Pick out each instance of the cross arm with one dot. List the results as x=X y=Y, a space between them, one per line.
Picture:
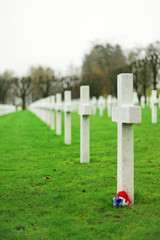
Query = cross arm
x=126 y=114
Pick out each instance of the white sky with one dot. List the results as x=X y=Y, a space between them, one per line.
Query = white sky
x=57 y=33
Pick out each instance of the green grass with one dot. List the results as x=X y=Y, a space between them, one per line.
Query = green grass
x=76 y=203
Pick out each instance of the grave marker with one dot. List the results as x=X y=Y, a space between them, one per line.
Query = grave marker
x=109 y=105
x=101 y=105
x=143 y=101
x=135 y=99
x=159 y=101
x=58 y=113
x=52 y=113
x=67 y=110
x=154 y=103
x=94 y=105
x=125 y=115
x=84 y=111
x=47 y=110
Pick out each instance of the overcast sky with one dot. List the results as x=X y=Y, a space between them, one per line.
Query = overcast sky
x=57 y=33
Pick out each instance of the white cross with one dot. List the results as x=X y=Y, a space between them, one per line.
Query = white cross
x=125 y=115
x=154 y=103
x=101 y=105
x=58 y=113
x=94 y=105
x=67 y=110
x=135 y=99
x=47 y=112
x=143 y=101
x=84 y=111
x=109 y=105
x=52 y=108
x=159 y=101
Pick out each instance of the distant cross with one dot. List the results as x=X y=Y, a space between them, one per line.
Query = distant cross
x=154 y=103
x=47 y=100
x=109 y=105
x=67 y=121
x=101 y=105
x=94 y=105
x=52 y=108
x=143 y=101
x=125 y=115
x=58 y=113
x=135 y=99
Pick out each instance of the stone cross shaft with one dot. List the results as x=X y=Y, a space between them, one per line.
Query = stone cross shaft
x=154 y=103
x=58 y=113
x=143 y=101
x=84 y=111
x=67 y=110
x=101 y=105
x=47 y=101
x=125 y=115
x=159 y=101
x=135 y=99
x=52 y=107
x=42 y=107
x=94 y=105
x=109 y=105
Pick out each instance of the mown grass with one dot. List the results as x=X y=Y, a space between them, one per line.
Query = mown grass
x=76 y=203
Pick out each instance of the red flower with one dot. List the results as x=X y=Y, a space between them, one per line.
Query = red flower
x=124 y=195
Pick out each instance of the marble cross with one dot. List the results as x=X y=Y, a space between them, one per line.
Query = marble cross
x=109 y=105
x=52 y=108
x=67 y=122
x=101 y=105
x=135 y=99
x=125 y=114
x=143 y=101
x=94 y=105
x=84 y=111
x=159 y=101
x=58 y=113
x=154 y=103
x=47 y=110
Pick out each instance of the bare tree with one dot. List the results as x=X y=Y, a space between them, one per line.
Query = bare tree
x=5 y=85
x=22 y=88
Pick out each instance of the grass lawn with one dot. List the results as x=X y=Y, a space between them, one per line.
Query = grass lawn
x=76 y=203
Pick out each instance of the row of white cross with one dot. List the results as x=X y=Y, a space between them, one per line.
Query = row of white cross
x=6 y=108
x=49 y=103
x=125 y=114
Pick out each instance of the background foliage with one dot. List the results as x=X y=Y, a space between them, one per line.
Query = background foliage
x=100 y=67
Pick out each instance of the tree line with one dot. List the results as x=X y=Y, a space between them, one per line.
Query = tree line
x=100 y=68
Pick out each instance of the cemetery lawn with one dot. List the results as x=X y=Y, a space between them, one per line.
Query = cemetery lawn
x=76 y=202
